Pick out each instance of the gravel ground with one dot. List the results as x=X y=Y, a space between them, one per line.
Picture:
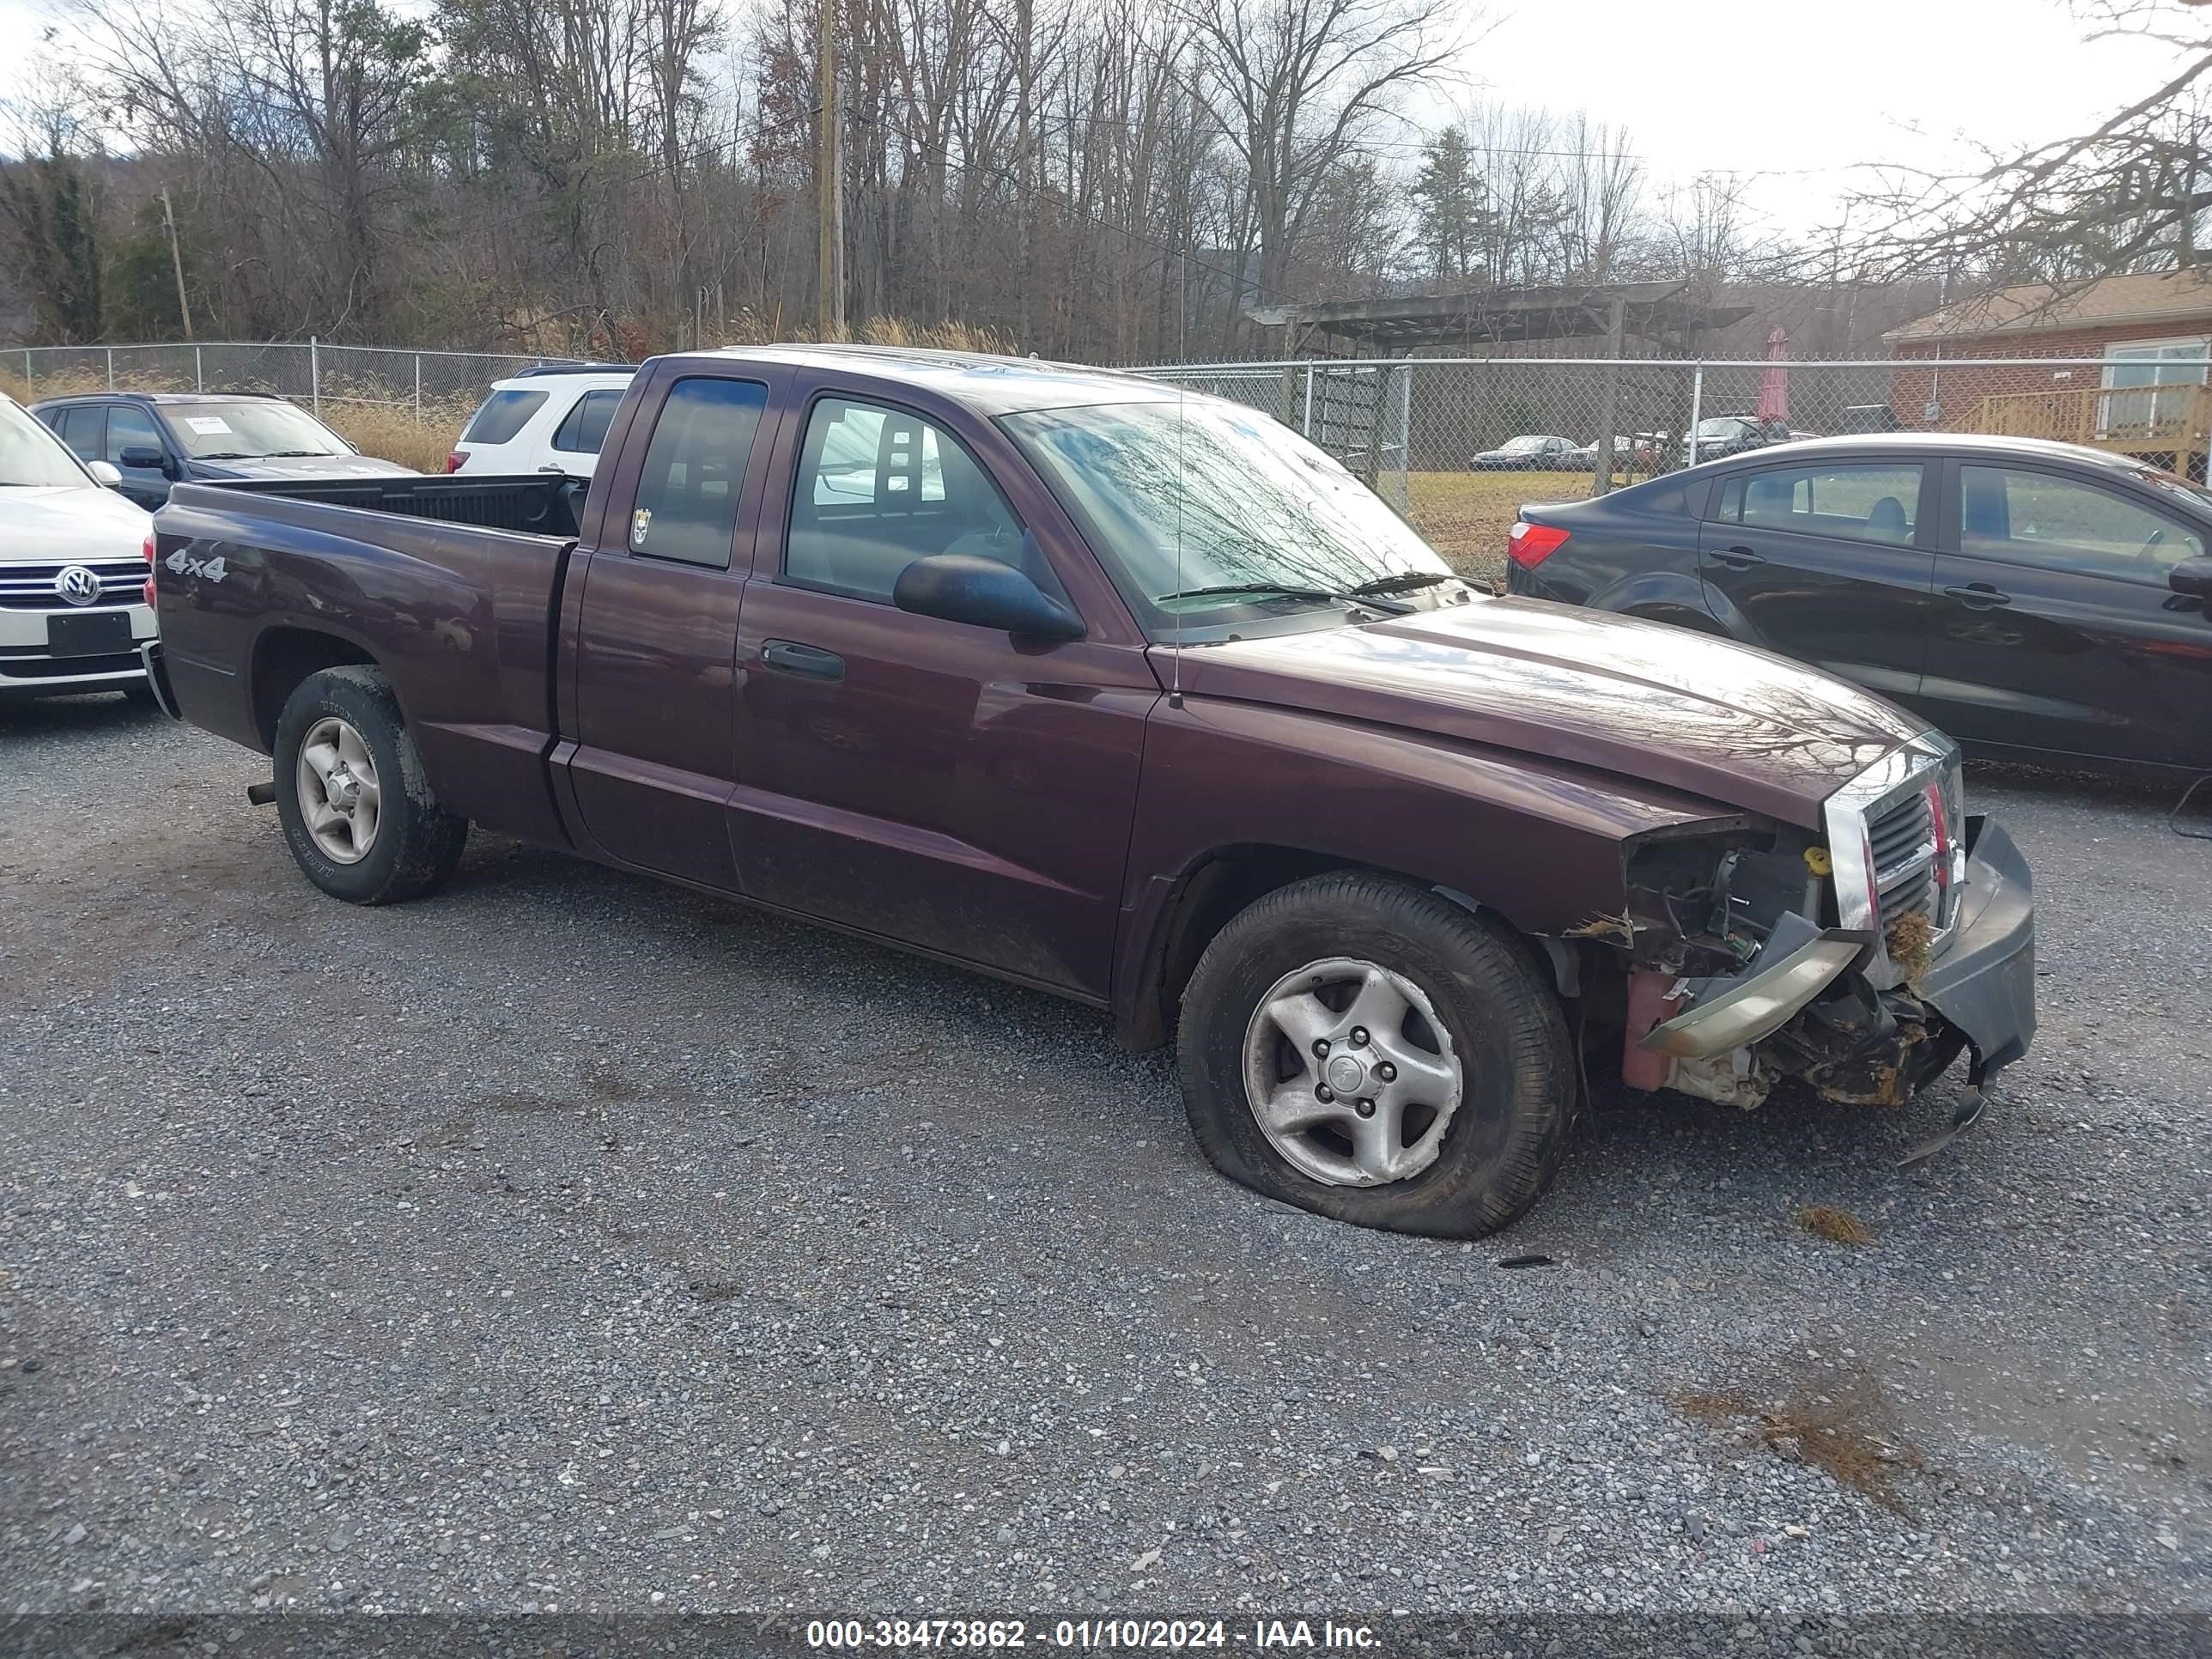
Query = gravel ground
x=567 y=1242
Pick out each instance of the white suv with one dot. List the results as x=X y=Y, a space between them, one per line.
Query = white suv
x=544 y=420
x=74 y=560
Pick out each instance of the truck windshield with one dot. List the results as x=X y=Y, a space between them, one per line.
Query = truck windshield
x=214 y=431
x=1267 y=525
x=32 y=458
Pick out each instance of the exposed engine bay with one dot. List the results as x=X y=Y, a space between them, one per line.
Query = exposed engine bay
x=1738 y=975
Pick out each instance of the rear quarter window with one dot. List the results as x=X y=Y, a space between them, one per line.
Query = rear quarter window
x=584 y=428
x=503 y=415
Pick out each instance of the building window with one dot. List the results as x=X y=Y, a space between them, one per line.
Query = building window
x=2146 y=391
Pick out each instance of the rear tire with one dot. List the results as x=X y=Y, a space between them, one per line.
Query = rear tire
x=1475 y=1005
x=357 y=810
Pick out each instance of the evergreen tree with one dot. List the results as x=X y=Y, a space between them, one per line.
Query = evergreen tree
x=1450 y=206
x=50 y=208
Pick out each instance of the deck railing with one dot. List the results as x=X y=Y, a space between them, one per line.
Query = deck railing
x=2150 y=419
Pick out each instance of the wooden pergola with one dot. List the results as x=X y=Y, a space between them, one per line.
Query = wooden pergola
x=1475 y=317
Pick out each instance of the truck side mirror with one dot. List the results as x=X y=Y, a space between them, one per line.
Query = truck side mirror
x=145 y=455
x=2192 y=577
x=966 y=587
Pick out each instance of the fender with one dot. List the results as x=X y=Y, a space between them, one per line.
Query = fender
x=1541 y=842
x=1652 y=594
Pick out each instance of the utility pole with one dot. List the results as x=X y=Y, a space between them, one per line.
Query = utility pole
x=829 y=203
x=177 y=261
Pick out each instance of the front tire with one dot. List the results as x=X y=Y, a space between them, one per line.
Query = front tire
x=1366 y=1049
x=357 y=810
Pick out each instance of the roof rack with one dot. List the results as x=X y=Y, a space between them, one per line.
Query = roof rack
x=573 y=369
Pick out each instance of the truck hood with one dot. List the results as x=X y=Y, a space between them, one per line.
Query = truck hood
x=301 y=467
x=1644 y=700
x=56 y=524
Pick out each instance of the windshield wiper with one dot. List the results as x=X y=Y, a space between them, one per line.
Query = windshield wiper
x=1288 y=591
x=224 y=455
x=1405 y=582
x=292 y=455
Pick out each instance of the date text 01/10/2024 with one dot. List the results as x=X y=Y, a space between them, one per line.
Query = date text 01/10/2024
x=1163 y=1634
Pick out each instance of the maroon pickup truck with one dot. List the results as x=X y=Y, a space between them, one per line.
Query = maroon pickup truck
x=1141 y=699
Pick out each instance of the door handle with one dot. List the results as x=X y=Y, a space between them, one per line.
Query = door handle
x=1979 y=596
x=808 y=661
x=1737 y=558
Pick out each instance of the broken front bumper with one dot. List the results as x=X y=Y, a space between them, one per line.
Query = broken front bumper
x=1985 y=984
x=1800 y=1009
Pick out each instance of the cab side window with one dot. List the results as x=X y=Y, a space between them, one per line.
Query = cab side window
x=2040 y=518
x=695 y=470
x=1877 y=502
x=879 y=488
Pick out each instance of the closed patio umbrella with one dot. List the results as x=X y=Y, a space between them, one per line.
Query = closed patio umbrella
x=1774 y=384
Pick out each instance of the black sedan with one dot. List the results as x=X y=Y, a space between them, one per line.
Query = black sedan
x=2031 y=598
x=1718 y=435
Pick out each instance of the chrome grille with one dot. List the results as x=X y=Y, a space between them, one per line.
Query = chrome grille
x=1895 y=837
x=1904 y=841
x=31 y=586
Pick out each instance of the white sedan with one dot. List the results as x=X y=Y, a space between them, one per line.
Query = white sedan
x=74 y=560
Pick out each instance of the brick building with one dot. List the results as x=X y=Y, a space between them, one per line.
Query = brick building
x=2128 y=388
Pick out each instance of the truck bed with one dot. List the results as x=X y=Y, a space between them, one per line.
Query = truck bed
x=452 y=583
x=532 y=503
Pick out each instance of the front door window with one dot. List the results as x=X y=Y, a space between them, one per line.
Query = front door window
x=2042 y=519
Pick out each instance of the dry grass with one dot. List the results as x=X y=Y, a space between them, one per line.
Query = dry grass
x=1843 y=1428
x=391 y=433
x=1911 y=942
x=1838 y=1226
x=60 y=385
x=1465 y=515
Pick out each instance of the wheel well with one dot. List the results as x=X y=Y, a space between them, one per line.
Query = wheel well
x=1231 y=879
x=286 y=656
x=1681 y=616
x=1212 y=892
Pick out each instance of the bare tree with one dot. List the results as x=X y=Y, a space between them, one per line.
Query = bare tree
x=1299 y=87
x=2128 y=194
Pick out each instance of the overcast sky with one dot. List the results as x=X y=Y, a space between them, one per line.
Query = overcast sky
x=1808 y=90
x=1793 y=90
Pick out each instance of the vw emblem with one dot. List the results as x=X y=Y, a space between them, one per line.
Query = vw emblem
x=77 y=584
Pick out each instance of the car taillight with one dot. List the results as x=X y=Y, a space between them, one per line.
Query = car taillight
x=1530 y=545
x=456 y=459
x=148 y=551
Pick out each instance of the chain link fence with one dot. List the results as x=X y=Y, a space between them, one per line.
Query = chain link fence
x=1458 y=443
x=423 y=383
x=1455 y=444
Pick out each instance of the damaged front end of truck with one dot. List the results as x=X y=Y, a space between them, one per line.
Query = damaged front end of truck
x=1859 y=958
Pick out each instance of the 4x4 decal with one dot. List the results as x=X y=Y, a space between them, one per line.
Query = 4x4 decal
x=182 y=563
